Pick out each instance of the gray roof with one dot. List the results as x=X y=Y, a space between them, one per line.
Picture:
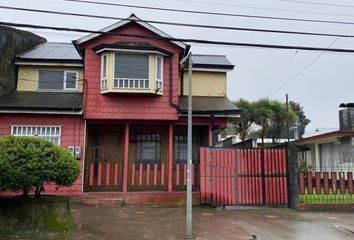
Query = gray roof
x=42 y=101
x=52 y=51
x=210 y=61
x=208 y=105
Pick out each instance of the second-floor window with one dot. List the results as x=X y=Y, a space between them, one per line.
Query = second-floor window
x=57 y=80
x=104 y=67
x=131 y=71
x=159 y=73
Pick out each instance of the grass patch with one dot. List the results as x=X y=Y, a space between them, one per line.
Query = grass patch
x=330 y=198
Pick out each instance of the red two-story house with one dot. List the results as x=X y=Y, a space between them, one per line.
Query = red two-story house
x=117 y=100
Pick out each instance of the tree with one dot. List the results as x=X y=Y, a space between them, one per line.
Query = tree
x=246 y=119
x=29 y=162
x=271 y=116
x=302 y=121
x=263 y=114
x=279 y=120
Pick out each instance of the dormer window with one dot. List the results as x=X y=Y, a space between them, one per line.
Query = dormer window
x=57 y=80
x=131 y=71
x=132 y=67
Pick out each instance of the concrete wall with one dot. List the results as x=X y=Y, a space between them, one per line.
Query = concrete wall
x=12 y=43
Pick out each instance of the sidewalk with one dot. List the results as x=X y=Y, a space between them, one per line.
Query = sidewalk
x=148 y=222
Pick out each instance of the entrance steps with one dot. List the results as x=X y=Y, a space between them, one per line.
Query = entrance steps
x=111 y=199
x=136 y=198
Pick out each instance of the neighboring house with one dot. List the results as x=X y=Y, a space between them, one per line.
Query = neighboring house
x=119 y=104
x=331 y=150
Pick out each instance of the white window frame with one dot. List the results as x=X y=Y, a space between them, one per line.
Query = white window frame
x=43 y=131
x=104 y=79
x=159 y=81
x=133 y=81
x=64 y=80
x=76 y=80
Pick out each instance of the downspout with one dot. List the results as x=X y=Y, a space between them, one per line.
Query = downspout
x=213 y=129
x=182 y=82
x=171 y=82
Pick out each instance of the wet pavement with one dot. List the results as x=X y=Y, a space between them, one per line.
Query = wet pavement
x=149 y=222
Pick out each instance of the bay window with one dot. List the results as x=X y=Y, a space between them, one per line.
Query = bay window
x=104 y=71
x=131 y=71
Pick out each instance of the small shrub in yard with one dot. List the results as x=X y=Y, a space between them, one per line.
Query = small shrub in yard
x=29 y=162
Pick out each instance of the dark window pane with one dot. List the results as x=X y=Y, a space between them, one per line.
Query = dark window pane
x=49 y=79
x=131 y=66
x=70 y=80
x=148 y=149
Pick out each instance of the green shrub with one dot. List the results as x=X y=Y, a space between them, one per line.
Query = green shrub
x=29 y=162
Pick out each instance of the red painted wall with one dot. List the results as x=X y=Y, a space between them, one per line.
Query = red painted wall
x=72 y=134
x=129 y=106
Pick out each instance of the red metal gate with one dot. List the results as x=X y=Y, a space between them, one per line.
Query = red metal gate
x=243 y=177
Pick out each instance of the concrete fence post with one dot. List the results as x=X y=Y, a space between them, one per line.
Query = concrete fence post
x=293 y=179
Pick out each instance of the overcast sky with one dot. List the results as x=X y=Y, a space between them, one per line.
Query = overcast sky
x=325 y=84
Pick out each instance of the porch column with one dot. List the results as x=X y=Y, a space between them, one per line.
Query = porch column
x=210 y=133
x=170 y=157
x=126 y=158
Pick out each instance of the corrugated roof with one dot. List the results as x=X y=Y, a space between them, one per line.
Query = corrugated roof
x=42 y=101
x=51 y=50
x=208 y=105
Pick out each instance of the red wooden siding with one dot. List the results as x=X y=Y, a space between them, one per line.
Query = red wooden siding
x=237 y=177
x=72 y=134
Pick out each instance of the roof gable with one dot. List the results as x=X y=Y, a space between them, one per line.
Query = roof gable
x=130 y=19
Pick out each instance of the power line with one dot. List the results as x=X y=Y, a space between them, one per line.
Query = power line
x=317 y=3
x=189 y=40
x=284 y=18
x=302 y=71
x=283 y=72
x=201 y=12
x=180 y=24
x=291 y=1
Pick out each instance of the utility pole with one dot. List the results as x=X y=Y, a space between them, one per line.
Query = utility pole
x=189 y=232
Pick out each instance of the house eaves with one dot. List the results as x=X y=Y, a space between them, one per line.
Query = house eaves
x=130 y=19
x=325 y=137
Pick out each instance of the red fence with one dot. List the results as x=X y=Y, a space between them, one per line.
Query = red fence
x=148 y=176
x=326 y=187
x=243 y=177
x=107 y=175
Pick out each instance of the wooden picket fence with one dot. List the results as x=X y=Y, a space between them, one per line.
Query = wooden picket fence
x=326 y=187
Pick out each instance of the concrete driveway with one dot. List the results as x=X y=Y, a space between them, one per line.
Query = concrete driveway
x=148 y=222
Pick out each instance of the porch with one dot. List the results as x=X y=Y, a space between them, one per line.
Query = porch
x=140 y=157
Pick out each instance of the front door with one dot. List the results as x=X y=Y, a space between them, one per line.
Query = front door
x=104 y=158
